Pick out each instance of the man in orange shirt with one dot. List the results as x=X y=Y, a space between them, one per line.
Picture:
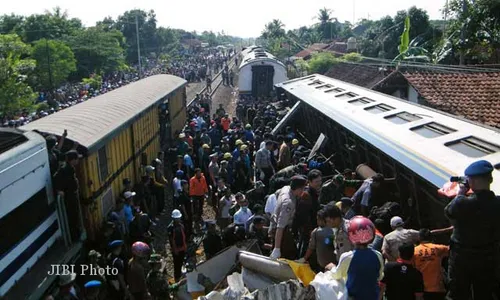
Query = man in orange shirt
x=198 y=190
x=428 y=258
x=225 y=122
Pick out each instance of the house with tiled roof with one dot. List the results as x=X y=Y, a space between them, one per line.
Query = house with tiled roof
x=360 y=74
x=308 y=52
x=472 y=95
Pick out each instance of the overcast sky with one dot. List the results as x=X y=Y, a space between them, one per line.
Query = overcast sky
x=246 y=18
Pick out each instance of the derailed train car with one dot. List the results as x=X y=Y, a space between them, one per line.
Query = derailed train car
x=259 y=71
x=118 y=133
x=419 y=146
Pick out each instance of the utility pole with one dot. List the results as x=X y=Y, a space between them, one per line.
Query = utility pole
x=138 y=45
x=462 y=32
x=48 y=64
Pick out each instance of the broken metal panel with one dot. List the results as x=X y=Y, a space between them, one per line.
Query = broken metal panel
x=288 y=117
x=320 y=143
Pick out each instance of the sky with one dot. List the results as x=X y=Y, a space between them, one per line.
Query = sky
x=238 y=18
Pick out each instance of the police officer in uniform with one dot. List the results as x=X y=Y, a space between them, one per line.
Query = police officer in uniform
x=282 y=218
x=476 y=236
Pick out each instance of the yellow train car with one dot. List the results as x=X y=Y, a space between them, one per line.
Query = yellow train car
x=118 y=132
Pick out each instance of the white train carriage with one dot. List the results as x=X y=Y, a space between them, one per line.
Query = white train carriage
x=28 y=216
x=259 y=71
x=420 y=146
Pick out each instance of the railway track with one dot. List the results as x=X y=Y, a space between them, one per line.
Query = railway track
x=216 y=81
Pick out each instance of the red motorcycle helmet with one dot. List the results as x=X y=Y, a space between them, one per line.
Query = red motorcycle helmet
x=141 y=249
x=361 y=230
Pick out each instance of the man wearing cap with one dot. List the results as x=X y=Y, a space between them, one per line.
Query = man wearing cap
x=283 y=216
x=92 y=289
x=67 y=289
x=396 y=238
x=178 y=244
x=182 y=145
x=66 y=185
x=474 y=260
x=118 y=287
x=157 y=279
x=127 y=207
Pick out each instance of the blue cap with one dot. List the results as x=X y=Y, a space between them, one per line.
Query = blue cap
x=179 y=173
x=115 y=243
x=478 y=168
x=92 y=284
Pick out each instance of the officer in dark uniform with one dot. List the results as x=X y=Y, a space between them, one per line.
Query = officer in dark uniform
x=476 y=236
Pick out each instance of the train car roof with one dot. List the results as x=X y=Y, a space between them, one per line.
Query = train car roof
x=433 y=144
x=257 y=54
x=94 y=121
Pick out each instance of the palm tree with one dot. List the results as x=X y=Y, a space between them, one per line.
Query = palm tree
x=326 y=23
x=274 y=29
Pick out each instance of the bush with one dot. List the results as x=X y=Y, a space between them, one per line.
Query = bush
x=94 y=82
x=322 y=62
x=352 y=57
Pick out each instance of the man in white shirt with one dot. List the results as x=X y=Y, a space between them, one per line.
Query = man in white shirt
x=177 y=186
x=271 y=203
x=243 y=214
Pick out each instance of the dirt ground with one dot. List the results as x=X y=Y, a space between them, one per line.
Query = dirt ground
x=227 y=96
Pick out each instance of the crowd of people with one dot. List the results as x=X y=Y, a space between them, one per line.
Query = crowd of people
x=194 y=66
x=261 y=185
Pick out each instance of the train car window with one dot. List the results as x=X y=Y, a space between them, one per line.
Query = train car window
x=402 y=118
x=380 y=108
x=102 y=158
x=326 y=86
x=346 y=96
x=432 y=130
x=361 y=101
x=473 y=147
x=316 y=82
x=335 y=90
x=38 y=210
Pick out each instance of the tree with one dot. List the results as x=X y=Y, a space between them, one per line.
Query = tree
x=54 y=62
x=274 y=29
x=322 y=62
x=11 y=24
x=15 y=93
x=97 y=51
x=327 y=26
x=148 y=42
x=51 y=25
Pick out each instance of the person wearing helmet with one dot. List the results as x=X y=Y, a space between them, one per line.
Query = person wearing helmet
x=182 y=144
x=178 y=244
x=249 y=134
x=118 y=287
x=363 y=267
x=137 y=266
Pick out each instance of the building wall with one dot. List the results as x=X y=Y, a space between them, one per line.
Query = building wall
x=177 y=109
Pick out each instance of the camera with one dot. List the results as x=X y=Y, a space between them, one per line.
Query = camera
x=459 y=179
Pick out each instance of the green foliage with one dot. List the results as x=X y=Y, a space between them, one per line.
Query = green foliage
x=322 y=62
x=54 y=63
x=405 y=37
x=352 y=57
x=15 y=93
x=51 y=25
x=94 y=82
x=98 y=50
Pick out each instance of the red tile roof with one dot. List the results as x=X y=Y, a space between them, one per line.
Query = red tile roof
x=318 y=46
x=304 y=53
x=359 y=74
x=475 y=96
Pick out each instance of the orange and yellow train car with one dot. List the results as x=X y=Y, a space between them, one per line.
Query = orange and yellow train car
x=117 y=132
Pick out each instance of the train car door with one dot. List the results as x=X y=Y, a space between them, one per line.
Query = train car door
x=262 y=80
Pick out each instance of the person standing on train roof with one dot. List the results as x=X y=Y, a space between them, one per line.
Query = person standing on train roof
x=474 y=260
x=363 y=201
x=397 y=237
x=428 y=259
x=285 y=156
x=283 y=216
x=363 y=267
